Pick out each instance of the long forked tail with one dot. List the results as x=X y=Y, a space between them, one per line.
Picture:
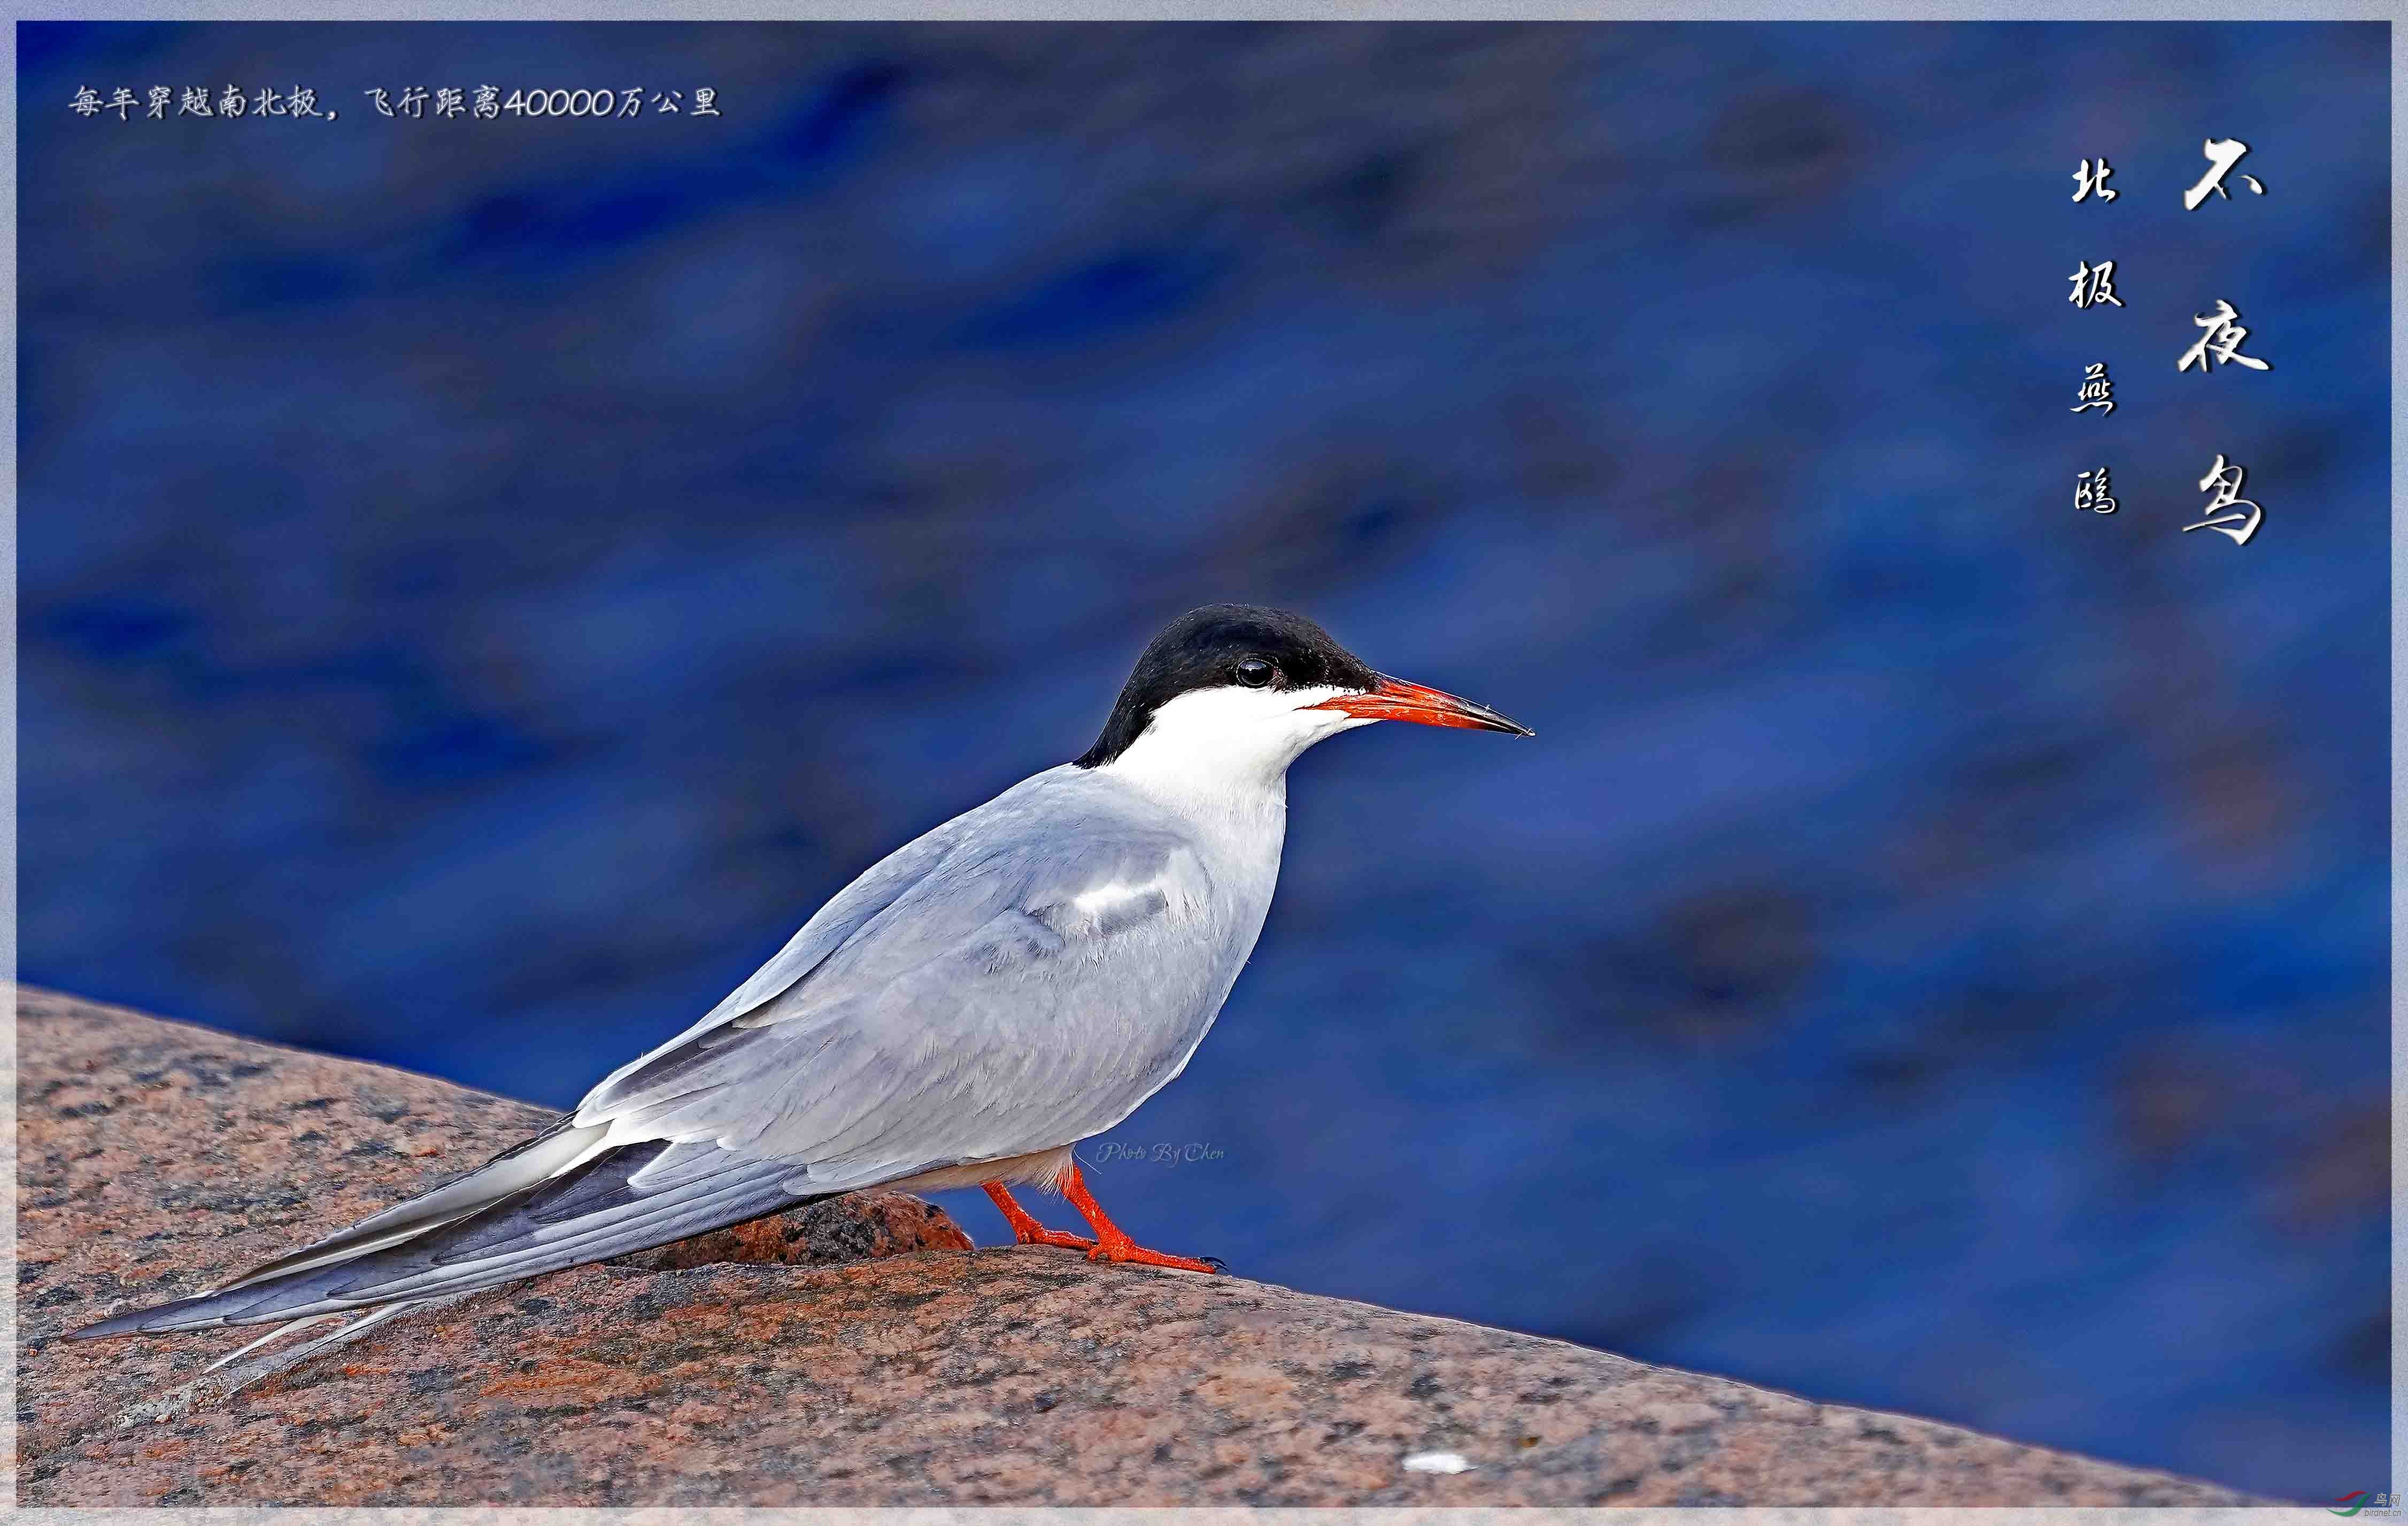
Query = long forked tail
x=562 y=1199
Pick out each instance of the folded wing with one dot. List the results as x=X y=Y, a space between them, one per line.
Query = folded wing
x=1029 y=989
x=1018 y=979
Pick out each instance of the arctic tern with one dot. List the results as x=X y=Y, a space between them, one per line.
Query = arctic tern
x=973 y=1006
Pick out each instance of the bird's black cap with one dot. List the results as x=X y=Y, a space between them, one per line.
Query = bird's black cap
x=1225 y=644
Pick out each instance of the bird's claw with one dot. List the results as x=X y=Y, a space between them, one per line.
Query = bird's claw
x=1139 y=1256
x=1056 y=1238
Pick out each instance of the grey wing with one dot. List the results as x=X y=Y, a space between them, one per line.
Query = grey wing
x=1050 y=969
x=1018 y=978
x=533 y=1216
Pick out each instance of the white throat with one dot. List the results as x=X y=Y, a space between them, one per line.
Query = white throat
x=1225 y=751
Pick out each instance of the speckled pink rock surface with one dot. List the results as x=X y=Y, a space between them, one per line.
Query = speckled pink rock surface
x=777 y=1366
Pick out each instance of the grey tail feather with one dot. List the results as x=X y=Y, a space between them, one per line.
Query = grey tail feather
x=523 y=1164
x=587 y=1213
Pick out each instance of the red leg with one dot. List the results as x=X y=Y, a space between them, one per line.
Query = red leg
x=1026 y=1230
x=1112 y=1243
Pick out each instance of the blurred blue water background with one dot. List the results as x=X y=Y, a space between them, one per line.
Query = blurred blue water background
x=485 y=581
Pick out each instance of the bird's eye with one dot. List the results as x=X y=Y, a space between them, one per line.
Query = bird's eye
x=1254 y=673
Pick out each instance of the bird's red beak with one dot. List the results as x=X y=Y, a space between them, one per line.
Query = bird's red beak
x=1397 y=700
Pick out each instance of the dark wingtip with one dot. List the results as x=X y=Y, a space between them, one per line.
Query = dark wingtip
x=142 y=1322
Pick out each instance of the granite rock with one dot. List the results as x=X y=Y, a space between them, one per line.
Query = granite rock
x=860 y=1352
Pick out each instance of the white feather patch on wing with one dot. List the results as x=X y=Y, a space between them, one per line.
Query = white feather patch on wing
x=1020 y=979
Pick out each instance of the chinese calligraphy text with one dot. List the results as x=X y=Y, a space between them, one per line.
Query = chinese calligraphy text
x=2223 y=480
